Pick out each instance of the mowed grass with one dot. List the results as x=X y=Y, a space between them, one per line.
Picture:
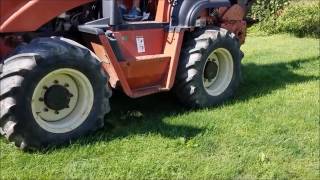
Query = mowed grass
x=269 y=130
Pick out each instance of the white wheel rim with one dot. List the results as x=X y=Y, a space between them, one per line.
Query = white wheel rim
x=224 y=62
x=80 y=103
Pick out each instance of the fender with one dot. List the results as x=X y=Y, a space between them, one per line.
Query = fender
x=29 y=15
x=185 y=12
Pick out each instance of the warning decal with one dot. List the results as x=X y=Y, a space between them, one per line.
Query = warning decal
x=140 y=44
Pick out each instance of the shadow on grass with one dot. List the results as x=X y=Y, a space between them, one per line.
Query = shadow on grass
x=259 y=80
x=146 y=115
x=129 y=117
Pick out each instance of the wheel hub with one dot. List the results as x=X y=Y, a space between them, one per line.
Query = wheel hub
x=62 y=100
x=211 y=70
x=218 y=71
x=57 y=97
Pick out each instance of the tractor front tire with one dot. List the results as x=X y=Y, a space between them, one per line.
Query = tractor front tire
x=209 y=70
x=51 y=92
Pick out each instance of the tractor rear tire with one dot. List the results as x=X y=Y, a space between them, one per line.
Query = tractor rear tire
x=209 y=70
x=51 y=92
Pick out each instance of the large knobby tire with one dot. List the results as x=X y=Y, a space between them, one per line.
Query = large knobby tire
x=209 y=70
x=51 y=92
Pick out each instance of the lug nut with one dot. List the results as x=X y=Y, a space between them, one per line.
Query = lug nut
x=57 y=112
x=46 y=109
x=56 y=81
x=66 y=85
x=41 y=99
x=45 y=87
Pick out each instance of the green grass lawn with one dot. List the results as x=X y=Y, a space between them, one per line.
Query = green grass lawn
x=270 y=130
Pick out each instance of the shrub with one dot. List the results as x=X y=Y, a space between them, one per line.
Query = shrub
x=300 y=18
x=268 y=9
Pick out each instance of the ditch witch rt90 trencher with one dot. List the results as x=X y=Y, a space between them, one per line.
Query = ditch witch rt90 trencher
x=61 y=59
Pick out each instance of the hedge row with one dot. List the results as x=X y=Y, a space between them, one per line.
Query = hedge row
x=301 y=18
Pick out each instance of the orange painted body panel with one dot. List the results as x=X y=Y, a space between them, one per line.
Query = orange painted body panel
x=163 y=11
x=145 y=73
x=142 y=74
x=173 y=47
x=101 y=52
x=29 y=15
x=109 y=58
x=153 y=41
